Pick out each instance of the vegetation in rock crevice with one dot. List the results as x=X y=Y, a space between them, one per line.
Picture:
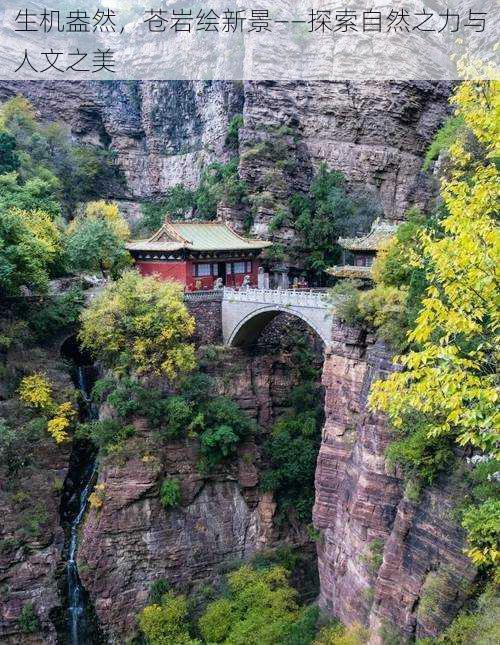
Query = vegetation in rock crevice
x=293 y=446
x=219 y=183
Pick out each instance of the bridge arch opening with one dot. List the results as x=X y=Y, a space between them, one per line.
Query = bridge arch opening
x=248 y=331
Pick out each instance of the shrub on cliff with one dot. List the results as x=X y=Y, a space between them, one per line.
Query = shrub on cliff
x=108 y=435
x=140 y=325
x=223 y=426
x=28 y=620
x=170 y=493
x=233 y=131
x=219 y=183
x=37 y=393
x=292 y=448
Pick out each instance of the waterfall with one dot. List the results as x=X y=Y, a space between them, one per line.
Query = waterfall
x=81 y=481
x=76 y=596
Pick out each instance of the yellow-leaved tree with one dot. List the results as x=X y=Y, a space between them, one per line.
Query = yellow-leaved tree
x=140 y=325
x=450 y=379
x=107 y=212
x=36 y=391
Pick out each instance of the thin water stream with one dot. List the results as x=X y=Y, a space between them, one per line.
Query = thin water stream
x=76 y=596
x=81 y=480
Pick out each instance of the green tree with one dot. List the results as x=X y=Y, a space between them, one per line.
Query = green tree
x=323 y=215
x=260 y=609
x=216 y=622
x=93 y=245
x=178 y=201
x=140 y=325
x=166 y=623
x=28 y=247
x=37 y=193
x=9 y=159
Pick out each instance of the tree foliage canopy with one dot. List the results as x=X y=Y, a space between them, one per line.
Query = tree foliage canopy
x=326 y=213
x=140 y=325
x=29 y=243
x=166 y=623
x=95 y=239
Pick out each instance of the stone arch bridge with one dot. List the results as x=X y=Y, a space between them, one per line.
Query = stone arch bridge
x=243 y=313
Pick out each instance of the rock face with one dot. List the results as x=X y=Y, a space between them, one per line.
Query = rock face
x=31 y=480
x=164 y=132
x=384 y=561
x=131 y=540
x=375 y=133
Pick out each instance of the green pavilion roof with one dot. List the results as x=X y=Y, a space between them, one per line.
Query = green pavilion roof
x=381 y=231
x=196 y=236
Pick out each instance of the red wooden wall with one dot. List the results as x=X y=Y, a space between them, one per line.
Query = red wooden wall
x=183 y=272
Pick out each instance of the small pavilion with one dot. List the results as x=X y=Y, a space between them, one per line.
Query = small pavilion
x=359 y=253
x=197 y=253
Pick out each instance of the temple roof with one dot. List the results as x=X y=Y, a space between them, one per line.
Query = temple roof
x=381 y=231
x=196 y=236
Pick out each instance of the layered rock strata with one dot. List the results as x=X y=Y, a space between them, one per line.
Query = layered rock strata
x=392 y=564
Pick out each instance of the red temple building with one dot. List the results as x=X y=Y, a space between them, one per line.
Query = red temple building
x=197 y=253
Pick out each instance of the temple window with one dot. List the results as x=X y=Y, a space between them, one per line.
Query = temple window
x=241 y=268
x=202 y=270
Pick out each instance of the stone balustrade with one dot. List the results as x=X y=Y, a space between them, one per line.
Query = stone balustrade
x=203 y=296
x=285 y=297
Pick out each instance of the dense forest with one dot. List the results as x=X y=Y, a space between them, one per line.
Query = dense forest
x=153 y=392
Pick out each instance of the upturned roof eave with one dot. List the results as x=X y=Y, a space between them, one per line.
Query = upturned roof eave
x=152 y=246
x=179 y=241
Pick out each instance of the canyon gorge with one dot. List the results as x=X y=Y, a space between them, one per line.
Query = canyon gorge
x=373 y=551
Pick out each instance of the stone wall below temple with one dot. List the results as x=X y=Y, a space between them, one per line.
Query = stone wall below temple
x=206 y=308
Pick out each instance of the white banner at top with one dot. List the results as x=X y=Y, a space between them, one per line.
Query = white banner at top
x=279 y=40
